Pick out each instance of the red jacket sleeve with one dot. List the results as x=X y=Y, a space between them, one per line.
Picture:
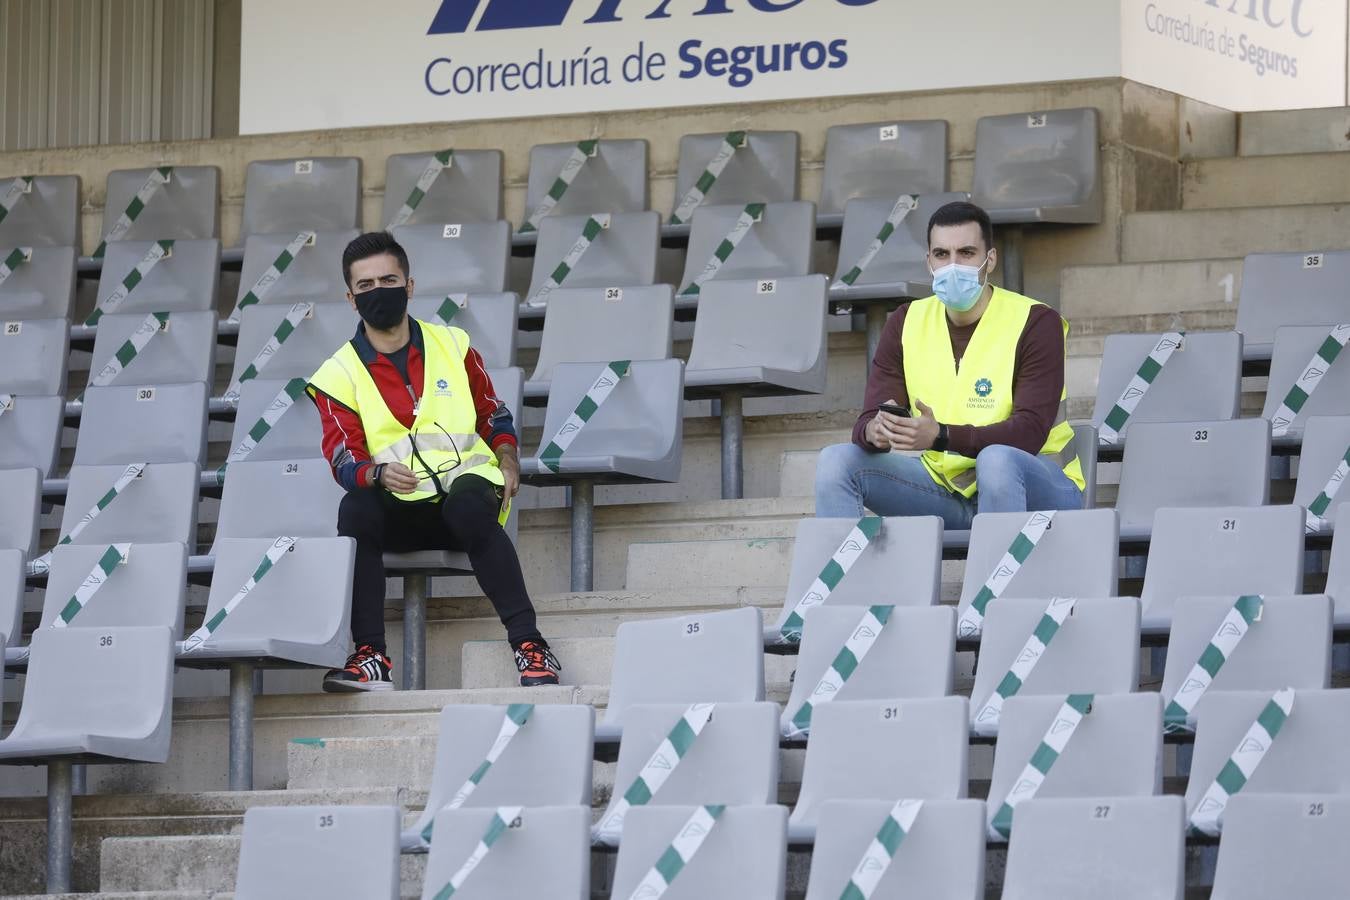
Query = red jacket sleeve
x=344 y=442
x=495 y=424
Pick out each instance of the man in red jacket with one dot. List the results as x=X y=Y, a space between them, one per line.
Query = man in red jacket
x=428 y=455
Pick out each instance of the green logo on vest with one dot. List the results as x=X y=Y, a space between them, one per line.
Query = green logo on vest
x=984 y=387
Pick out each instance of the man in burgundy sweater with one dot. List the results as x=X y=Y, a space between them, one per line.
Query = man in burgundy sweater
x=981 y=372
x=428 y=455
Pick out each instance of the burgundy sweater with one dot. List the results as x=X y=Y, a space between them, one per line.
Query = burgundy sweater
x=1038 y=382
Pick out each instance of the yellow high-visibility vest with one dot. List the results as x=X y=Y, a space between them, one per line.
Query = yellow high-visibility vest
x=443 y=440
x=980 y=390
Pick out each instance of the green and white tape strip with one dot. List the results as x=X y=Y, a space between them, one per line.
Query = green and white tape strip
x=263 y=286
x=984 y=722
x=43 y=563
x=453 y=305
x=517 y=714
x=6 y=403
x=589 y=232
x=655 y=771
x=158 y=250
x=1178 y=716
x=151 y=325
x=438 y=163
x=1062 y=729
x=1307 y=382
x=269 y=561
x=158 y=178
x=1233 y=777
x=858 y=539
x=677 y=855
x=752 y=213
x=279 y=406
x=614 y=372
x=297 y=314
x=501 y=821
x=17 y=257
x=903 y=207
x=972 y=619
x=845 y=663
x=17 y=188
x=1124 y=407
x=877 y=858
x=1315 y=516
x=734 y=141
x=584 y=151
x=97 y=577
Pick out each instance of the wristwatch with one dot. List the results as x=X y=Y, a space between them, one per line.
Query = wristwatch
x=940 y=444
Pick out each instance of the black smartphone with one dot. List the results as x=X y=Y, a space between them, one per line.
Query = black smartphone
x=895 y=410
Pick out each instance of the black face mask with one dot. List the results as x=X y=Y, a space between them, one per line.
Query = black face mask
x=383 y=308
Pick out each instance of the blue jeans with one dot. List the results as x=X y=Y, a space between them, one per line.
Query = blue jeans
x=849 y=478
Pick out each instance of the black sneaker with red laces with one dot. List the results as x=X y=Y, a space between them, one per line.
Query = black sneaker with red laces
x=536 y=663
x=367 y=669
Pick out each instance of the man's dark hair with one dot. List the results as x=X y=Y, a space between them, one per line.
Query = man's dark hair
x=372 y=243
x=960 y=213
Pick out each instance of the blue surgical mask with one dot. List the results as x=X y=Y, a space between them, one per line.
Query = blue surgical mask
x=959 y=287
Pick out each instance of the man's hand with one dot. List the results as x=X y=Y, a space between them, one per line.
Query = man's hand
x=508 y=460
x=398 y=479
x=883 y=431
x=917 y=433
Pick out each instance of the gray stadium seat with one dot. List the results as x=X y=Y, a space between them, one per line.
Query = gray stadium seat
x=622 y=255
x=1192 y=464
x=160 y=505
x=912 y=657
x=183 y=351
x=550 y=843
x=1290 y=289
x=319 y=851
x=778 y=245
x=317 y=337
x=913 y=749
x=762 y=170
x=1295 y=351
x=315 y=274
x=148 y=588
x=1326 y=440
x=11 y=594
x=73 y=710
x=468 y=190
x=1290 y=845
x=880 y=160
x=1098 y=848
x=1302 y=758
x=613 y=178
x=46 y=212
x=900 y=269
x=290 y=195
x=941 y=858
x=186 y=280
x=33 y=357
x=458 y=258
x=1338 y=570
x=1038 y=167
x=1201 y=382
x=1095 y=651
x=30 y=432
x=1115 y=752
x=1224 y=551
x=41 y=287
x=489 y=319
x=1288 y=646
x=187 y=206
x=909 y=544
x=715 y=657
x=744 y=855
x=546 y=763
x=269 y=498
x=138 y=423
x=298 y=434
x=1076 y=557
x=22 y=490
x=596 y=325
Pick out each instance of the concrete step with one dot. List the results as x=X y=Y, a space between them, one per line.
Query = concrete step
x=1324 y=130
x=1140 y=297
x=1265 y=181
x=1228 y=233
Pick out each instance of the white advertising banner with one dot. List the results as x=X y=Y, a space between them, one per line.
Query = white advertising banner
x=318 y=64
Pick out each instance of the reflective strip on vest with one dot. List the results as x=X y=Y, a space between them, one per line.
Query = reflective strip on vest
x=583 y=152
x=734 y=141
x=158 y=177
x=438 y=164
x=1303 y=388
